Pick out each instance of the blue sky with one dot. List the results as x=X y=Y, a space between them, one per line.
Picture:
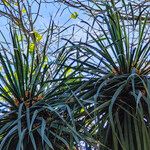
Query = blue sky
x=61 y=18
x=47 y=11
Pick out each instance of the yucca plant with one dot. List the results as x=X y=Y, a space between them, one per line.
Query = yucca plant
x=35 y=111
x=115 y=89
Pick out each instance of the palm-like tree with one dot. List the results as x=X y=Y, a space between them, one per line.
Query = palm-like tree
x=35 y=111
x=115 y=89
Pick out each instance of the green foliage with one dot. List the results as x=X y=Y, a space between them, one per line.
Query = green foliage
x=97 y=91
x=36 y=114
x=115 y=88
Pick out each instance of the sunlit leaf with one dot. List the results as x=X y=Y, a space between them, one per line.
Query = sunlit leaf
x=16 y=4
x=6 y=2
x=46 y=59
x=20 y=37
x=1 y=68
x=6 y=89
x=74 y=15
x=37 y=36
x=31 y=47
x=23 y=10
x=69 y=71
x=82 y=110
